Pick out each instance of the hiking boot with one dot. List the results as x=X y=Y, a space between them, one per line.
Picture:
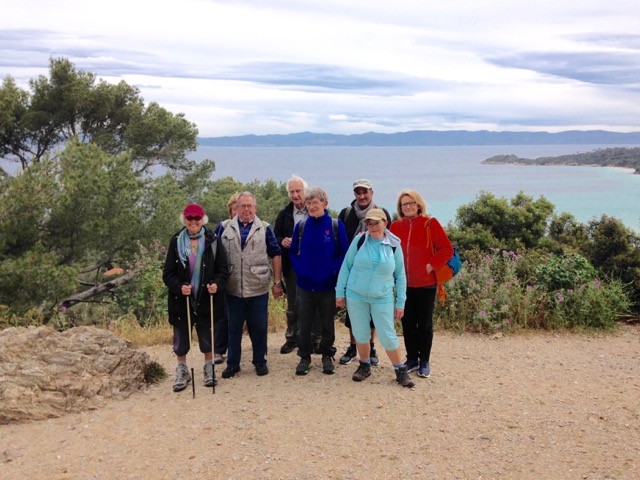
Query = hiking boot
x=402 y=377
x=348 y=355
x=412 y=365
x=288 y=347
x=327 y=364
x=209 y=375
x=218 y=359
x=425 y=369
x=373 y=357
x=262 y=370
x=183 y=378
x=363 y=371
x=304 y=366
x=230 y=372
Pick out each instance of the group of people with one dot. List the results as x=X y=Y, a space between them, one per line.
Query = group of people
x=381 y=271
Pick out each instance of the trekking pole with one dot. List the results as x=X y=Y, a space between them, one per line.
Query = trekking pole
x=193 y=383
x=188 y=319
x=213 y=362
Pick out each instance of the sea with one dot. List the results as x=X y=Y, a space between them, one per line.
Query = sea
x=446 y=176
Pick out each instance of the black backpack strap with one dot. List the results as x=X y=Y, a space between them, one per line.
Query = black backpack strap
x=361 y=242
x=300 y=229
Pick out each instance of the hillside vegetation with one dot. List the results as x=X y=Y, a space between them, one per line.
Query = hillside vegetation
x=603 y=157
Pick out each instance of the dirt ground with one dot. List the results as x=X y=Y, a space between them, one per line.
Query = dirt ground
x=530 y=406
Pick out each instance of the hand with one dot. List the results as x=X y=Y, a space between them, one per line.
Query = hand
x=429 y=268
x=286 y=242
x=277 y=290
x=399 y=314
x=341 y=303
x=213 y=288
x=186 y=289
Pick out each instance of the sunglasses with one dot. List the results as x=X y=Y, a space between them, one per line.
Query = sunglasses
x=193 y=217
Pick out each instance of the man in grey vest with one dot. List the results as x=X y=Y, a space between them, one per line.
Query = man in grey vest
x=250 y=243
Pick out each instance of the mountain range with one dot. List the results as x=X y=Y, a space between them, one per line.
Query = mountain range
x=426 y=138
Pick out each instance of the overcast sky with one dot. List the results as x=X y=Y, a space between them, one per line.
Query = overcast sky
x=344 y=66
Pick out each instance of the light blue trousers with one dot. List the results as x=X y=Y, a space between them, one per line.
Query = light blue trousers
x=360 y=312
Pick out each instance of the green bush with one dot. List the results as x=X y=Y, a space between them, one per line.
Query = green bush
x=506 y=291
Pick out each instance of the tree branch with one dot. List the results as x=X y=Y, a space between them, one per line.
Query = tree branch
x=97 y=290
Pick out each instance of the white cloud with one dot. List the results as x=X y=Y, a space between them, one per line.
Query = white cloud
x=282 y=66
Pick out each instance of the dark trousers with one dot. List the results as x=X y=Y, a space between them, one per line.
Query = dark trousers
x=221 y=325
x=312 y=305
x=291 y=334
x=252 y=310
x=181 y=335
x=417 y=323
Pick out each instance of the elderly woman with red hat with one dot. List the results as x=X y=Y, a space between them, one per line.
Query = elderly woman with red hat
x=195 y=268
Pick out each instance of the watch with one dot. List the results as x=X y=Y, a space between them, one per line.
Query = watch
x=277 y=284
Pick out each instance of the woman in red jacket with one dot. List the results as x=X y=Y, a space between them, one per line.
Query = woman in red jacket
x=426 y=248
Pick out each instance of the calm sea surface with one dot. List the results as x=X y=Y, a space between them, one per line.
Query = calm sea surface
x=447 y=177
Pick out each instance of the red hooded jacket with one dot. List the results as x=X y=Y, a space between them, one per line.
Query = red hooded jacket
x=417 y=253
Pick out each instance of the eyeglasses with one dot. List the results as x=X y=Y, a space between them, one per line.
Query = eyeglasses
x=408 y=204
x=193 y=217
x=372 y=223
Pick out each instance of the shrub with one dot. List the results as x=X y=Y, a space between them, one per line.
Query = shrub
x=505 y=291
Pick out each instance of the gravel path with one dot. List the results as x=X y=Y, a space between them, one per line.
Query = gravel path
x=530 y=406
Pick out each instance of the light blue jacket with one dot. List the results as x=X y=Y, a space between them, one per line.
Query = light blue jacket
x=375 y=272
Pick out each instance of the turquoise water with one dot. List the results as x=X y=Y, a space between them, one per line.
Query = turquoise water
x=447 y=177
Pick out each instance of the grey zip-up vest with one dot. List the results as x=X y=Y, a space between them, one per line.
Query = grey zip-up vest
x=249 y=268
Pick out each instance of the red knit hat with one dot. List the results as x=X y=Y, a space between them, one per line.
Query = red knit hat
x=193 y=210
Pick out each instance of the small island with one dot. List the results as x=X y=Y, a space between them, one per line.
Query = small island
x=603 y=157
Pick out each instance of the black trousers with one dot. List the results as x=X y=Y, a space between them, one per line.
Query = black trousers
x=319 y=305
x=417 y=323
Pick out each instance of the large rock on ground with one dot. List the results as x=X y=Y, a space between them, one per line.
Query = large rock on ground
x=44 y=373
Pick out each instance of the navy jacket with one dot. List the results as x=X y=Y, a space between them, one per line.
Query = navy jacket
x=317 y=258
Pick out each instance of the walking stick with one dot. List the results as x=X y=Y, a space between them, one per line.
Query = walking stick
x=188 y=319
x=213 y=359
x=193 y=383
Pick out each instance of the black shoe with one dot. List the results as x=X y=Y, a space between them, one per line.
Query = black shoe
x=304 y=366
x=288 y=347
x=327 y=364
x=373 y=356
x=402 y=377
x=230 y=372
x=363 y=371
x=262 y=370
x=348 y=355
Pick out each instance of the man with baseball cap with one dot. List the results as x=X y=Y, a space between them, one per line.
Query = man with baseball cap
x=353 y=218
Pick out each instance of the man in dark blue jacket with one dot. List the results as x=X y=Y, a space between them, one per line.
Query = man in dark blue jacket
x=318 y=247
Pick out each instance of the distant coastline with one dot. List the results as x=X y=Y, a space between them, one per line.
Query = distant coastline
x=426 y=138
x=620 y=157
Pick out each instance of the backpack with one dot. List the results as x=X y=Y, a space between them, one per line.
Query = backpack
x=447 y=271
x=334 y=227
x=361 y=242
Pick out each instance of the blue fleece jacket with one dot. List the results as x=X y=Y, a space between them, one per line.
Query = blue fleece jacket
x=375 y=272
x=314 y=258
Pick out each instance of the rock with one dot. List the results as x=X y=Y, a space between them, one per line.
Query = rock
x=45 y=374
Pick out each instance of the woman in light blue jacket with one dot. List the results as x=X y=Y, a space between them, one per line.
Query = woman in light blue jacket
x=372 y=285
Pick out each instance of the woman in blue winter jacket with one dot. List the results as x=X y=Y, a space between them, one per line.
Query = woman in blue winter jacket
x=372 y=285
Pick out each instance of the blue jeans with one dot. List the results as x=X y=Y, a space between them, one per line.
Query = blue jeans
x=252 y=310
